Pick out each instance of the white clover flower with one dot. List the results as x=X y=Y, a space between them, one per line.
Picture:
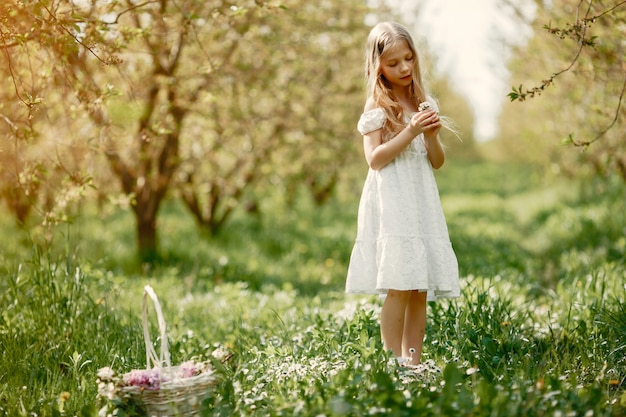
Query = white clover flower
x=219 y=353
x=106 y=390
x=472 y=371
x=105 y=373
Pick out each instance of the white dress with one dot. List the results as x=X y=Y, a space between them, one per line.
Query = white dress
x=402 y=240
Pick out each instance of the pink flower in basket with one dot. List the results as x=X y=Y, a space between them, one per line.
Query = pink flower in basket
x=162 y=388
x=151 y=379
x=144 y=378
x=189 y=369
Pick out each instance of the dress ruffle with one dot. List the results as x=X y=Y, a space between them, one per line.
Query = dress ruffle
x=404 y=263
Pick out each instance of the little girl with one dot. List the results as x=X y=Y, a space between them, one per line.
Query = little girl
x=402 y=246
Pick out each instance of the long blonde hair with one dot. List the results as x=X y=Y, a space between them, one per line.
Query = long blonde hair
x=382 y=37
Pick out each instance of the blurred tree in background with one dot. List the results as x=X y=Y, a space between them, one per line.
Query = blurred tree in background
x=280 y=111
x=121 y=76
x=43 y=159
x=215 y=101
x=579 y=55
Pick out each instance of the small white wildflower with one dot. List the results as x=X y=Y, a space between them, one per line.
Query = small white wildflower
x=104 y=412
x=471 y=371
x=105 y=373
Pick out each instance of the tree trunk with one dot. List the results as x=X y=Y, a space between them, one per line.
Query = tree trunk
x=147 y=244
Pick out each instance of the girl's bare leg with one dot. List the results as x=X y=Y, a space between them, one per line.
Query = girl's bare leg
x=392 y=317
x=414 y=326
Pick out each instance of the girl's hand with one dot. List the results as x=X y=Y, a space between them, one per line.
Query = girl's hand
x=426 y=122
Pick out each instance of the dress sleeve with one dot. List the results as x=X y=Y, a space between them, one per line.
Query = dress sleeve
x=371 y=120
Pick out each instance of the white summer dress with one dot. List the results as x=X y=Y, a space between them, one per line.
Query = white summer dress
x=402 y=240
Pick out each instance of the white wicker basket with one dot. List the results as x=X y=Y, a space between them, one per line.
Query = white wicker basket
x=176 y=396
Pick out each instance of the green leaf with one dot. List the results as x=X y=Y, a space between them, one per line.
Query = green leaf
x=569 y=140
x=452 y=375
x=88 y=410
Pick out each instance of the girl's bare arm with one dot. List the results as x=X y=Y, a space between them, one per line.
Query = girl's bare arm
x=378 y=153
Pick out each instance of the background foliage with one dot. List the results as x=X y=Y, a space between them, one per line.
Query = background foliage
x=215 y=103
x=575 y=62
x=216 y=140
x=539 y=328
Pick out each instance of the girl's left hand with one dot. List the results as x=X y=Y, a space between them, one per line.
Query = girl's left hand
x=432 y=128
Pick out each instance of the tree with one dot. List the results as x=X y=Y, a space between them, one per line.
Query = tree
x=585 y=40
x=214 y=102
x=281 y=113
x=138 y=57
x=42 y=167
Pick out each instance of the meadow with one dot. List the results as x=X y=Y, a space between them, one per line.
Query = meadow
x=540 y=329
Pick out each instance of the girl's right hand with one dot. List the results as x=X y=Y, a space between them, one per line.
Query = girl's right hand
x=423 y=121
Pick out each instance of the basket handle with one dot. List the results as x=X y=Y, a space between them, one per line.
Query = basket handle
x=151 y=356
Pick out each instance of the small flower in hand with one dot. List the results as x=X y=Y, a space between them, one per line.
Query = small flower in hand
x=424 y=105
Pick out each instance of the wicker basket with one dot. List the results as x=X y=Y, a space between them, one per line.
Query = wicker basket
x=176 y=396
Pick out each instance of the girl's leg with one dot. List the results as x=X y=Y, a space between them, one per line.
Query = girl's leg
x=392 y=318
x=414 y=326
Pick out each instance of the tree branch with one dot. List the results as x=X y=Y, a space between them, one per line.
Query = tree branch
x=130 y=8
x=577 y=32
x=66 y=30
x=10 y=65
x=615 y=118
x=9 y=122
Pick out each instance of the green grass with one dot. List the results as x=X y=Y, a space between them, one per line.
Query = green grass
x=540 y=329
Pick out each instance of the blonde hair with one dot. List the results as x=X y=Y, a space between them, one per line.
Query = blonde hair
x=381 y=38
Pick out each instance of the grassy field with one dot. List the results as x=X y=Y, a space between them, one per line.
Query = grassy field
x=540 y=329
